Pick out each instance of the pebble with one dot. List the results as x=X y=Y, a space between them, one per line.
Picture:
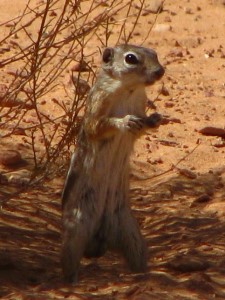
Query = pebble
x=5 y=49
x=190 y=42
x=167 y=19
x=154 y=7
x=81 y=66
x=10 y=102
x=188 y=10
x=155 y=161
x=212 y=131
x=17 y=130
x=201 y=199
x=168 y=143
x=187 y=173
x=10 y=24
x=10 y=158
x=3 y=90
x=188 y=264
x=53 y=14
x=164 y=91
x=217 y=208
x=18 y=72
x=81 y=86
x=201 y=283
x=218 y=143
x=169 y=104
x=20 y=177
x=170 y=120
x=176 y=52
x=218 y=170
x=162 y=27
x=6 y=101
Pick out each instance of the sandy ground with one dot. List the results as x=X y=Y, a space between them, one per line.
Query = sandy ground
x=177 y=184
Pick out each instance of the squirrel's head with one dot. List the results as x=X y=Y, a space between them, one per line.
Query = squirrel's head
x=132 y=64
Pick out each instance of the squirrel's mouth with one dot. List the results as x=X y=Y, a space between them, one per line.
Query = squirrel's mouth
x=155 y=75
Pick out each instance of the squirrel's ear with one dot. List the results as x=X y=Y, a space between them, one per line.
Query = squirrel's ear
x=107 y=55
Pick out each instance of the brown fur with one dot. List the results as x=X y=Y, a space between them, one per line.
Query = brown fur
x=96 y=210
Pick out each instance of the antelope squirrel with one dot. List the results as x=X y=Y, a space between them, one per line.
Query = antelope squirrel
x=96 y=210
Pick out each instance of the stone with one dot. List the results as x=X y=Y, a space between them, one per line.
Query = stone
x=81 y=86
x=201 y=200
x=20 y=177
x=176 y=52
x=212 y=131
x=187 y=173
x=81 y=66
x=9 y=101
x=155 y=6
x=218 y=143
x=162 y=27
x=188 y=264
x=3 y=90
x=10 y=158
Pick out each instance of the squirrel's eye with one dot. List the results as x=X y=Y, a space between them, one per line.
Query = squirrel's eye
x=131 y=59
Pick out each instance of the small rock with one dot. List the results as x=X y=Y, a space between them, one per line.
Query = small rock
x=102 y=3
x=53 y=14
x=187 y=173
x=81 y=66
x=201 y=283
x=162 y=27
x=150 y=104
x=201 y=199
x=93 y=288
x=7 y=101
x=217 y=208
x=10 y=24
x=168 y=143
x=163 y=90
x=171 y=134
x=169 y=104
x=173 y=13
x=81 y=86
x=3 y=90
x=188 y=10
x=19 y=131
x=209 y=53
x=5 y=49
x=190 y=42
x=207 y=118
x=222 y=54
x=176 y=52
x=218 y=170
x=167 y=19
x=166 y=120
x=18 y=72
x=219 y=143
x=10 y=102
x=131 y=290
x=219 y=2
x=20 y=177
x=10 y=158
x=154 y=7
x=212 y=131
x=188 y=264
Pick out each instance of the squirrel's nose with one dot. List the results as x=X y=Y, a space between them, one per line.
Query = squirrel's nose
x=159 y=72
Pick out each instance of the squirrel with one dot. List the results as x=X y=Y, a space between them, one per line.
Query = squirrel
x=96 y=210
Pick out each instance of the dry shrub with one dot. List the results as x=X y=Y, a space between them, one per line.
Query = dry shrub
x=45 y=40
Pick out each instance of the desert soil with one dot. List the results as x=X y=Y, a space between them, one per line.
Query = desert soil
x=177 y=183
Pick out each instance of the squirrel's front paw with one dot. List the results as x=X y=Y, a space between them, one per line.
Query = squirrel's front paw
x=133 y=124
